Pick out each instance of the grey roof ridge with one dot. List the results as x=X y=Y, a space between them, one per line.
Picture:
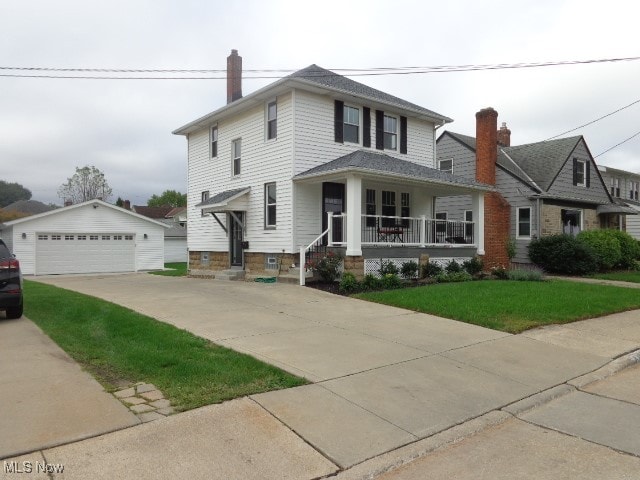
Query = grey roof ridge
x=236 y=192
x=526 y=176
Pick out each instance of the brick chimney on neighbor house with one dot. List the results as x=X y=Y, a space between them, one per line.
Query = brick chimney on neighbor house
x=504 y=136
x=127 y=205
x=234 y=76
x=497 y=212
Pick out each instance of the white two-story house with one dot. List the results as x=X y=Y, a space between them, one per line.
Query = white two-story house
x=318 y=160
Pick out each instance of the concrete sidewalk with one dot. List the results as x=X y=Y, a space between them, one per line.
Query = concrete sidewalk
x=384 y=377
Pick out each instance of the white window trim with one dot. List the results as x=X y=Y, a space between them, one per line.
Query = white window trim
x=211 y=155
x=581 y=218
x=266 y=120
x=584 y=173
x=445 y=160
x=518 y=222
x=268 y=226
x=344 y=122
x=233 y=158
x=396 y=133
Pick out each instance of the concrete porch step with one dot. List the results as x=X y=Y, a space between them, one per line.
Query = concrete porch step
x=230 y=275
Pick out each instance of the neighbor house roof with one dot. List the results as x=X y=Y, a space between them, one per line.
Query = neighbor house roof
x=317 y=79
x=152 y=212
x=175 y=211
x=380 y=163
x=28 y=206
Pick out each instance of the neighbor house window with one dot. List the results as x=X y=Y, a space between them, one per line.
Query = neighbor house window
x=272 y=120
x=446 y=165
x=204 y=196
x=236 y=153
x=351 y=130
x=633 y=190
x=580 y=173
x=214 y=141
x=571 y=221
x=370 y=205
x=270 y=205
x=615 y=187
x=524 y=222
x=388 y=208
x=390 y=133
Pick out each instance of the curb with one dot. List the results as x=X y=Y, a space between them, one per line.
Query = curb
x=609 y=369
x=538 y=399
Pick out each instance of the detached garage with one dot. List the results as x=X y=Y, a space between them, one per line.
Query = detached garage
x=90 y=237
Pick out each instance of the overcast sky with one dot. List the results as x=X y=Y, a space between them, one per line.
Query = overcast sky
x=123 y=127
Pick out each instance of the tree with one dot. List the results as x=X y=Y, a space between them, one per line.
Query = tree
x=86 y=184
x=119 y=202
x=168 y=197
x=12 y=192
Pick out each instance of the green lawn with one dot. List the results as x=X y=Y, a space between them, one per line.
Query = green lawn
x=512 y=306
x=119 y=346
x=177 y=270
x=625 y=276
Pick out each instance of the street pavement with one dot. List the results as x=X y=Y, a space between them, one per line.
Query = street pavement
x=387 y=381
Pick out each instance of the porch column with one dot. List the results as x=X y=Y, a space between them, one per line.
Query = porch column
x=354 y=216
x=477 y=200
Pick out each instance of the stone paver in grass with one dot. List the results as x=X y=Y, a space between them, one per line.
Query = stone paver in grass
x=152 y=395
x=146 y=401
x=128 y=392
x=142 y=408
x=132 y=400
x=145 y=387
x=162 y=403
x=150 y=416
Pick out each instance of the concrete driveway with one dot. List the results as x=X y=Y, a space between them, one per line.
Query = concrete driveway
x=383 y=377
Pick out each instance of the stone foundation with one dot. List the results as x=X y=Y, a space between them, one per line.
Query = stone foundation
x=354 y=265
x=217 y=261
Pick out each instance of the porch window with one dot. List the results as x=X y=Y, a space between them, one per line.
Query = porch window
x=390 y=133
x=405 y=208
x=370 y=207
x=388 y=208
x=214 y=141
x=351 y=124
x=236 y=153
x=270 y=205
x=524 y=222
x=272 y=120
x=468 y=227
x=441 y=226
x=571 y=221
x=446 y=165
x=204 y=196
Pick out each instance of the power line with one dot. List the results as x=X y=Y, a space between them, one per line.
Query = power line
x=618 y=144
x=270 y=73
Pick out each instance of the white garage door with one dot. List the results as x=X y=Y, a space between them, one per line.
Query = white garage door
x=84 y=253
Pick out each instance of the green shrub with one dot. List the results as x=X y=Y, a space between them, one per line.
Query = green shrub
x=391 y=281
x=499 y=272
x=388 y=267
x=472 y=266
x=409 y=270
x=563 y=254
x=449 y=277
x=348 y=283
x=524 y=275
x=605 y=246
x=371 y=282
x=430 y=270
x=453 y=267
x=629 y=248
x=328 y=267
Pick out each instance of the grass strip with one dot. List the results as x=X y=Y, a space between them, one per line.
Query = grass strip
x=120 y=346
x=512 y=306
x=178 y=269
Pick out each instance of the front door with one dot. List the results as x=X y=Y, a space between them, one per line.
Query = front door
x=333 y=201
x=235 y=239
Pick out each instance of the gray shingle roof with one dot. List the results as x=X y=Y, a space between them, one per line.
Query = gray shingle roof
x=28 y=206
x=382 y=163
x=328 y=79
x=223 y=196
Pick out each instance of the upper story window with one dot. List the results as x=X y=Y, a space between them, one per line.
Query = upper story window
x=214 y=141
x=580 y=173
x=351 y=132
x=272 y=120
x=633 y=190
x=524 y=222
x=270 y=205
x=204 y=196
x=236 y=154
x=615 y=187
x=390 y=133
x=446 y=165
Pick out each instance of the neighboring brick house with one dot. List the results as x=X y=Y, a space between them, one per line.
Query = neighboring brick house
x=624 y=187
x=543 y=188
x=316 y=158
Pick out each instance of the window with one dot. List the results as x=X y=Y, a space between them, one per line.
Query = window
x=351 y=125
x=441 y=224
x=580 y=173
x=117 y=237
x=390 y=133
x=214 y=141
x=204 y=258
x=468 y=227
x=446 y=165
x=270 y=205
x=43 y=237
x=615 y=187
x=571 y=221
x=68 y=237
x=236 y=152
x=388 y=208
x=405 y=208
x=82 y=237
x=56 y=237
x=128 y=237
x=524 y=222
x=272 y=120
x=93 y=237
x=633 y=190
x=370 y=207
x=204 y=196
x=106 y=237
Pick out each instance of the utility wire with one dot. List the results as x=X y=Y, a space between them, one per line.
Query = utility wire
x=618 y=144
x=270 y=73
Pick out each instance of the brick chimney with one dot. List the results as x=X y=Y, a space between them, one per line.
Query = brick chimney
x=504 y=136
x=127 y=205
x=486 y=145
x=234 y=76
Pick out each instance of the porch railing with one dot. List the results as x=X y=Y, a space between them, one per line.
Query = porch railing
x=412 y=231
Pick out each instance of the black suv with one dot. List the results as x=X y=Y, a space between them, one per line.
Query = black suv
x=10 y=283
